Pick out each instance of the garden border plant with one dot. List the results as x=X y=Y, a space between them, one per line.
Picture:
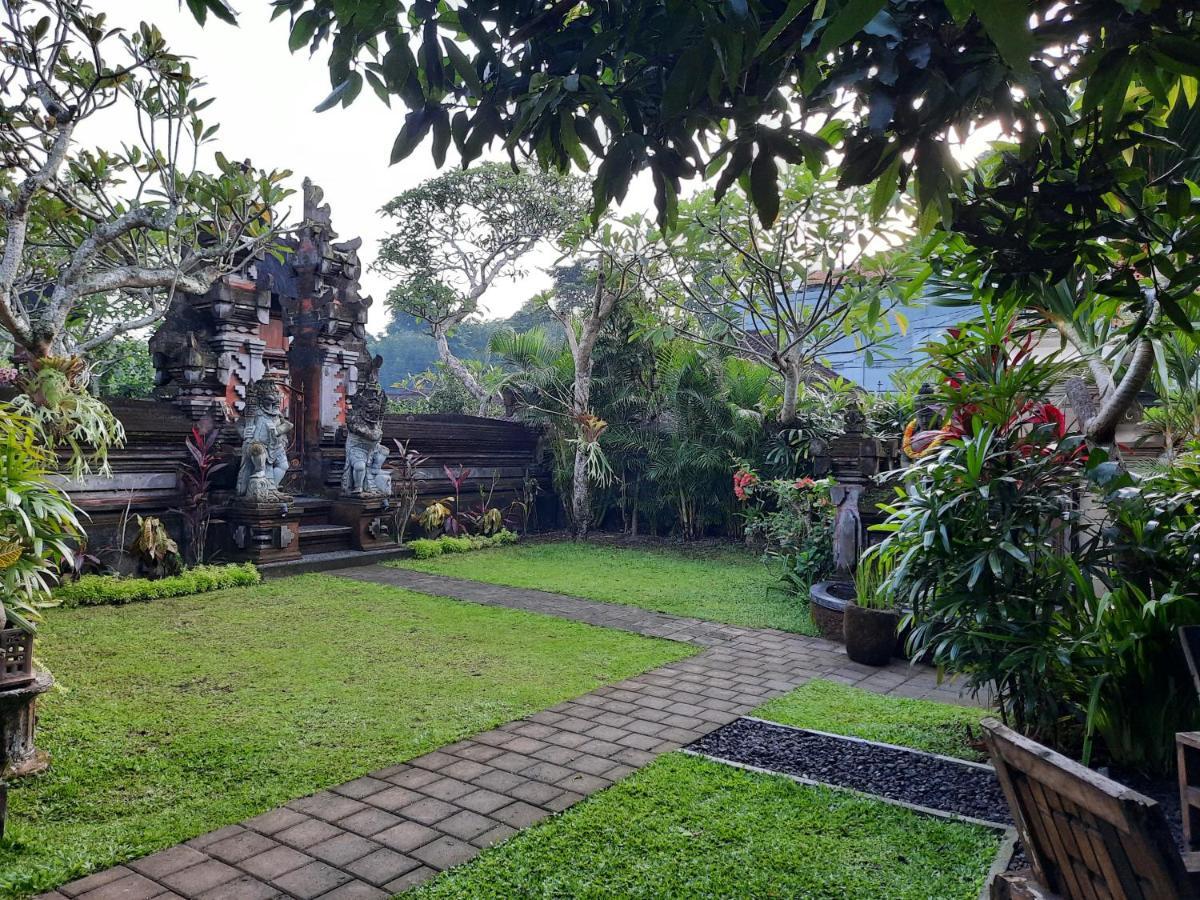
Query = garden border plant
x=115 y=590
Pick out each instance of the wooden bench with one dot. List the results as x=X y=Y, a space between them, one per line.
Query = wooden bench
x=1086 y=837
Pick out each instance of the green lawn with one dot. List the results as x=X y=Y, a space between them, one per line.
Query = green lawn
x=689 y=828
x=180 y=716
x=920 y=724
x=727 y=585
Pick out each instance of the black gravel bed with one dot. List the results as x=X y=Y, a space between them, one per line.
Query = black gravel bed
x=904 y=775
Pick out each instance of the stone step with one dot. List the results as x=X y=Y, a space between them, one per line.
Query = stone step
x=324 y=538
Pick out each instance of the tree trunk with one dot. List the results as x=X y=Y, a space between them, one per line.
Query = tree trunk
x=791 y=392
x=459 y=370
x=581 y=513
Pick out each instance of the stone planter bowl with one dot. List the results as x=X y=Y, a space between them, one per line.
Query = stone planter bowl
x=827 y=604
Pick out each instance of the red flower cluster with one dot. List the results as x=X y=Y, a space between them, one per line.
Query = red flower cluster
x=742 y=480
x=804 y=483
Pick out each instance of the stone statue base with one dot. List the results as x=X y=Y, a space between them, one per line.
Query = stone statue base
x=369 y=518
x=18 y=722
x=262 y=532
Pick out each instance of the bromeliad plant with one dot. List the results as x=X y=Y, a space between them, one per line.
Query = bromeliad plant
x=404 y=487
x=38 y=525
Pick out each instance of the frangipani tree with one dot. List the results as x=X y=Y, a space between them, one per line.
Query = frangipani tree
x=827 y=272
x=94 y=241
x=455 y=236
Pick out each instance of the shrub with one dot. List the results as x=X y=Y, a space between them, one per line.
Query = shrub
x=424 y=548
x=983 y=529
x=113 y=590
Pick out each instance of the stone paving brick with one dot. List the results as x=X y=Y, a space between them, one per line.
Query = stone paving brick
x=536 y=792
x=547 y=772
x=429 y=811
x=356 y=890
x=212 y=837
x=463 y=770
x=369 y=822
x=244 y=887
x=313 y=880
x=406 y=836
x=411 y=880
x=563 y=800
x=498 y=781
x=307 y=833
x=466 y=825
x=199 y=878
x=480 y=753
x=91 y=882
x=483 y=801
x=493 y=836
x=560 y=756
x=583 y=784
x=448 y=788
x=240 y=846
x=445 y=852
x=170 y=860
x=361 y=787
x=130 y=886
x=519 y=814
x=275 y=862
x=395 y=798
x=345 y=848
x=382 y=866
x=275 y=820
x=328 y=806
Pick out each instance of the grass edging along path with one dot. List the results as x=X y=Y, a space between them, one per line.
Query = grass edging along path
x=689 y=827
x=724 y=585
x=181 y=716
x=839 y=709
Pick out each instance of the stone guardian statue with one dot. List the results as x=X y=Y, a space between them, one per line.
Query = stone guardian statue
x=265 y=438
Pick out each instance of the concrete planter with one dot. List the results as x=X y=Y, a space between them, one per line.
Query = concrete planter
x=870 y=634
x=827 y=604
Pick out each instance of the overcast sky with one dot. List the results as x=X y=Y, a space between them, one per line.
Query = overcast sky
x=264 y=103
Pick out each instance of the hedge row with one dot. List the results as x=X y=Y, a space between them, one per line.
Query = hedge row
x=101 y=590
x=424 y=548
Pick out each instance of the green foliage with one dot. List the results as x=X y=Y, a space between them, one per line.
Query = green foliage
x=425 y=548
x=1141 y=690
x=981 y=531
x=837 y=708
x=690 y=827
x=115 y=590
x=794 y=519
x=56 y=402
x=871 y=577
x=431 y=548
x=38 y=524
x=183 y=716
x=719 y=585
x=124 y=369
x=825 y=273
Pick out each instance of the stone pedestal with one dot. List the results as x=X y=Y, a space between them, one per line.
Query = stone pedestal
x=369 y=518
x=18 y=720
x=263 y=532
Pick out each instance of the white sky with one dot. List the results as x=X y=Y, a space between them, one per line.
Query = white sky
x=264 y=104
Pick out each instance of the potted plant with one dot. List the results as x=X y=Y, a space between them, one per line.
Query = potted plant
x=37 y=526
x=871 y=620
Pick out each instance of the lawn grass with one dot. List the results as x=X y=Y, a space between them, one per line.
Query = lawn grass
x=686 y=827
x=180 y=716
x=837 y=708
x=726 y=585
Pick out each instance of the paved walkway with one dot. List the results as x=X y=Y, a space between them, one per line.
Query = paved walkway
x=392 y=829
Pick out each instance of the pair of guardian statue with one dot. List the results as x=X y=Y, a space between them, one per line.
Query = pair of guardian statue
x=266 y=435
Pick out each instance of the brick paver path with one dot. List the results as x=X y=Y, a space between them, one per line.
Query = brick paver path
x=392 y=829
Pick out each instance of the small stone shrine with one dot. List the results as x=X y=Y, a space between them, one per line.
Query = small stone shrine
x=853 y=459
